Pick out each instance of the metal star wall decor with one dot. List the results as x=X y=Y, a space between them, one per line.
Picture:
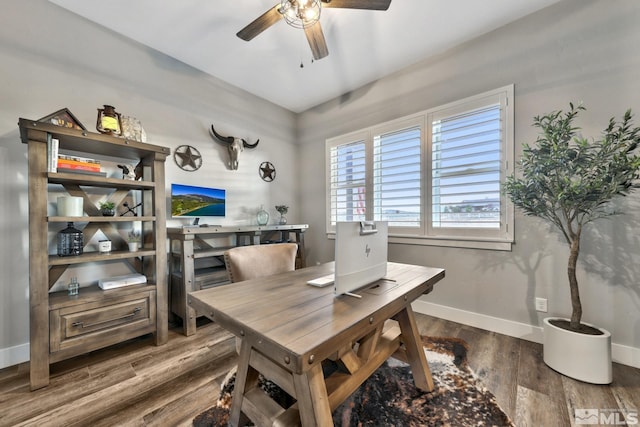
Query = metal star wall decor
x=187 y=158
x=267 y=171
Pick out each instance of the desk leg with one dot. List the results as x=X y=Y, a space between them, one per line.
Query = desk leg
x=415 y=352
x=246 y=379
x=313 y=402
x=188 y=286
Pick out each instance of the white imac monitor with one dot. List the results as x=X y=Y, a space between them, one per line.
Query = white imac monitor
x=360 y=255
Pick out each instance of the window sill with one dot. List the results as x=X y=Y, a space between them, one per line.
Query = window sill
x=494 y=245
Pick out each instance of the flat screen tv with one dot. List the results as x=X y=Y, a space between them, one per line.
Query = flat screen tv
x=193 y=201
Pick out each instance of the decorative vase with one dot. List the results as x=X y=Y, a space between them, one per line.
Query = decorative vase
x=107 y=212
x=283 y=220
x=262 y=217
x=580 y=356
x=70 y=241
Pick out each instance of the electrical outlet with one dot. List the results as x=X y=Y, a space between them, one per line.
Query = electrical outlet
x=541 y=304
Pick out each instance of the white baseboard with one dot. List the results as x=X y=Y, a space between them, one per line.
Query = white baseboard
x=623 y=354
x=14 y=355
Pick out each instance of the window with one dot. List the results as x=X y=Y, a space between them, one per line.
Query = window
x=435 y=176
x=347 y=186
x=397 y=189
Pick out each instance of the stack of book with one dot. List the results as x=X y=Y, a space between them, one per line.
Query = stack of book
x=66 y=163
x=78 y=164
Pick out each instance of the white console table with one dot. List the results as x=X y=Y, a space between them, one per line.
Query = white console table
x=196 y=258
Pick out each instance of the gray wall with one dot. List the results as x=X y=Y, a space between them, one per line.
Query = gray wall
x=577 y=50
x=50 y=59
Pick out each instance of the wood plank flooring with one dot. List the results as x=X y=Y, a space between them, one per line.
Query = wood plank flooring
x=138 y=384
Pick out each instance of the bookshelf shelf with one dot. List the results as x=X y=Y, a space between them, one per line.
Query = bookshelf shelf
x=81 y=219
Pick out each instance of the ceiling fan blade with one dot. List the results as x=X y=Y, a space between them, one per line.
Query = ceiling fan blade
x=316 y=40
x=358 y=4
x=263 y=22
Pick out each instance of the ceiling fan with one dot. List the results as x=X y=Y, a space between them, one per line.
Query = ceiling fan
x=305 y=14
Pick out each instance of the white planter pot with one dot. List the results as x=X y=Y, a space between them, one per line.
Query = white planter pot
x=133 y=246
x=582 y=357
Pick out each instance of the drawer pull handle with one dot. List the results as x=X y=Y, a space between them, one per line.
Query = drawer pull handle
x=126 y=316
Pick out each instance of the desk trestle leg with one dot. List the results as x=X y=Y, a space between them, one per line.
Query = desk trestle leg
x=313 y=402
x=415 y=352
x=316 y=395
x=246 y=379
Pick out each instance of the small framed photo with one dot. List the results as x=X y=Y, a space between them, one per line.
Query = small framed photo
x=64 y=118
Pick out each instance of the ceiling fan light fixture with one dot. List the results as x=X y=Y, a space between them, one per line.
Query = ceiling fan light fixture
x=300 y=13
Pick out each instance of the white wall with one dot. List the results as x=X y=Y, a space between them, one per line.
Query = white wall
x=52 y=59
x=577 y=50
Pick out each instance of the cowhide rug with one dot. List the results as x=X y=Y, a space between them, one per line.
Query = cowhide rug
x=389 y=398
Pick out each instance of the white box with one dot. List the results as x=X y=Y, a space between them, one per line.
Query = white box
x=120 y=281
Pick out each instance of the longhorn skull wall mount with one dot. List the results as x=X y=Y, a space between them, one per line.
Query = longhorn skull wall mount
x=234 y=146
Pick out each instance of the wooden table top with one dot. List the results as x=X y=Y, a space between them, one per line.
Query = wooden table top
x=296 y=324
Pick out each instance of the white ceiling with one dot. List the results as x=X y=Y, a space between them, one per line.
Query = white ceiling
x=363 y=45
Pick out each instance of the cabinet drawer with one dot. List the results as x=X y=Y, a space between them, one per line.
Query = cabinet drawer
x=96 y=325
x=86 y=322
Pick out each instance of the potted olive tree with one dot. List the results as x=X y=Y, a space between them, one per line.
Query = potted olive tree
x=569 y=181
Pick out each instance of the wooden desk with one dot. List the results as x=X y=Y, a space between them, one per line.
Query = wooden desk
x=288 y=328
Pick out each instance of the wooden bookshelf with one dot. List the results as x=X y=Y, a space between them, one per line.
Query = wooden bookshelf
x=64 y=326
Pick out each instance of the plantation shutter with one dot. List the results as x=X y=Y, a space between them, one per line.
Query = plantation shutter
x=466 y=161
x=348 y=182
x=397 y=177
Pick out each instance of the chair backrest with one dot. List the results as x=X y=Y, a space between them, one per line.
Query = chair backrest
x=250 y=262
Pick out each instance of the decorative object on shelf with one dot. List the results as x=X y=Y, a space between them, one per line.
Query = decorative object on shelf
x=234 y=147
x=130 y=210
x=267 y=171
x=128 y=172
x=132 y=129
x=133 y=240
x=70 y=241
x=104 y=246
x=138 y=171
x=70 y=206
x=282 y=209
x=107 y=208
x=73 y=286
x=63 y=118
x=109 y=121
x=122 y=281
x=262 y=217
x=131 y=173
x=187 y=158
